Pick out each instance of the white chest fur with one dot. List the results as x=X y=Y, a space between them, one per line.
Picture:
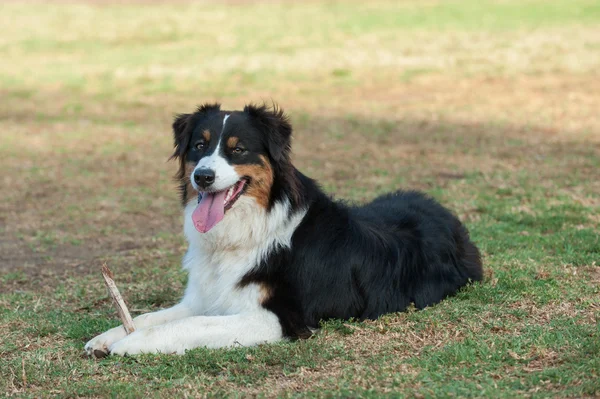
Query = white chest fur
x=213 y=288
x=219 y=259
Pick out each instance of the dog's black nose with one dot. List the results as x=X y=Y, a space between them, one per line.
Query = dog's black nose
x=204 y=177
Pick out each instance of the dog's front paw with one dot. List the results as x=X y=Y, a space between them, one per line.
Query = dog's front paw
x=128 y=346
x=99 y=346
x=145 y=341
x=135 y=344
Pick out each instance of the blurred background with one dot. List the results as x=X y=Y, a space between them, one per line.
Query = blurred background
x=491 y=106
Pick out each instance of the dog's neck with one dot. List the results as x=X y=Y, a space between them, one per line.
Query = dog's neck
x=247 y=228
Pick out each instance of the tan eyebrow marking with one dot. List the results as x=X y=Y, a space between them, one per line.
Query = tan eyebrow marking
x=206 y=135
x=232 y=142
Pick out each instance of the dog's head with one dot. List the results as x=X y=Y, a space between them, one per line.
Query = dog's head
x=227 y=155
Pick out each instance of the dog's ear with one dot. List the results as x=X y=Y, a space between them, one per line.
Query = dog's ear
x=183 y=126
x=181 y=136
x=275 y=126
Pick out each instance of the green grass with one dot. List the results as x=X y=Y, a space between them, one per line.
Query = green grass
x=489 y=106
x=531 y=329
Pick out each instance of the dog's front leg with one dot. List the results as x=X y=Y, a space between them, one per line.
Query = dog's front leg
x=246 y=329
x=103 y=341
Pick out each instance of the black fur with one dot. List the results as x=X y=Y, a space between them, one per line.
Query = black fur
x=276 y=130
x=275 y=127
x=362 y=261
x=348 y=261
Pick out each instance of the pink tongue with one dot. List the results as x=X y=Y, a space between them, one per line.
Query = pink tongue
x=209 y=211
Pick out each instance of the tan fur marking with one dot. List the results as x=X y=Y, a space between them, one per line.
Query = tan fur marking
x=232 y=142
x=265 y=293
x=206 y=135
x=262 y=180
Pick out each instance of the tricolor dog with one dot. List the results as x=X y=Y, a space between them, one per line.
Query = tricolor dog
x=270 y=254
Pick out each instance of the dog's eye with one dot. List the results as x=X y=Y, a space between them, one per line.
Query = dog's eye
x=238 y=150
x=200 y=145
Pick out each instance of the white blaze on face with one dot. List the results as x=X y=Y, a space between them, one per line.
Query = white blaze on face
x=225 y=174
x=211 y=206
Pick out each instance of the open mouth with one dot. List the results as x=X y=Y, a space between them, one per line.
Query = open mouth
x=213 y=205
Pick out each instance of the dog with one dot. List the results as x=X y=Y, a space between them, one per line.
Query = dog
x=271 y=255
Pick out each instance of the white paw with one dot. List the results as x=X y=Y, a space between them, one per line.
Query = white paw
x=99 y=346
x=136 y=343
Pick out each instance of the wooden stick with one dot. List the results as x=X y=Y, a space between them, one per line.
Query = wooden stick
x=113 y=291
x=23 y=375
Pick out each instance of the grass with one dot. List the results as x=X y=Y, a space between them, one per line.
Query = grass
x=489 y=106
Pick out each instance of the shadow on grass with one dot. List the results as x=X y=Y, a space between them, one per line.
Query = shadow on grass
x=86 y=206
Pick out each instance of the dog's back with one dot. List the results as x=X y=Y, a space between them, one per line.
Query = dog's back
x=362 y=262
x=435 y=253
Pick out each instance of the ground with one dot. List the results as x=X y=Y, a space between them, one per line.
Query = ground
x=489 y=106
